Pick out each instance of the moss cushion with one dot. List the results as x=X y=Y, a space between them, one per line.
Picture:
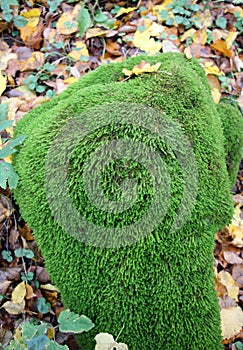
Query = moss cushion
x=124 y=182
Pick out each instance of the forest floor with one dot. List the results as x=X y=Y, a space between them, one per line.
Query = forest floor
x=46 y=45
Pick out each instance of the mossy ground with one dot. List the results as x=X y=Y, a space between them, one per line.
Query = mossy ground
x=160 y=290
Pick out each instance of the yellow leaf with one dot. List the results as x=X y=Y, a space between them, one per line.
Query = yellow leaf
x=70 y=80
x=124 y=10
x=230 y=39
x=231 y=285
x=216 y=95
x=51 y=333
x=200 y=36
x=19 y=293
x=231 y=321
x=14 y=308
x=3 y=83
x=158 y=8
x=49 y=287
x=18 y=335
x=187 y=52
x=32 y=16
x=80 y=50
x=203 y=19
x=188 y=34
x=67 y=23
x=210 y=68
x=143 y=41
x=141 y=68
x=236 y=227
x=93 y=32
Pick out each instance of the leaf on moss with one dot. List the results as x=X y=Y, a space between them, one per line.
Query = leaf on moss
x=231 y=321
x=105 y=341
x=141 y=68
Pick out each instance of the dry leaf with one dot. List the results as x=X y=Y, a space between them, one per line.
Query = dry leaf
x=188 y=34
x=236 y=227
x=49 y=287
x=231 y=321
x=216 y=95
x=237 y=274
x=141 y=68
x=200 y=36
x=203 y=19
x=17 y=303
x=93 y=32
x=210 y=68
x=19 y=293
x=232 y=258
x=231 y=285
x=143 y=41
x=187 y=52
x=168 y=46
x=3 y=83
x=67 y=23
x=80 y=50
x=124 y=10
x=221 y=47
x=105 y=341
x=230 y=39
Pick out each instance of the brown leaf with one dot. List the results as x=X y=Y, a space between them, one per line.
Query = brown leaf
x=36 y=60
x=232 y=258
x=200 y=36
x=4 y=286
x=9 y=273
x=237 y=274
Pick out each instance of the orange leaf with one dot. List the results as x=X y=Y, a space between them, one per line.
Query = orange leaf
x=221 y=46
x=200 y=36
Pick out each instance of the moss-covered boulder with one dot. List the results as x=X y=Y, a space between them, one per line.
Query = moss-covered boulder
x=124 y=182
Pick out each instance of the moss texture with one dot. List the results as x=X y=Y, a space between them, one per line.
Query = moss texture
x=159 y=291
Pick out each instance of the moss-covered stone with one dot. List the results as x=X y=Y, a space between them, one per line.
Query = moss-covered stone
x=159 y=291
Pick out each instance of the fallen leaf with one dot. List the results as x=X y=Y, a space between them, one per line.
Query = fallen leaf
x=236 y=227
x=141 y=68
x=79 y=51
x=124 y=10
x=29 y=292
x=36 y=60
x=210 y=68
x=19 y=293
x=200 y=36
x=32 y=17
x=202 y=19
x=49 y=287
x=105 y=341
x=67 y=23
x=3 y=83
x=188 y=34
x=230 y=39
x=143 y=41
x=168 y=46
x=232 y=258
x=93 y=32
x=237 y=274
x=231 y=285
x=17 y=303
x=4 y=286
x=13 y=308
x=231 y=321
x=187 y=52
x=238 y=63
x=216 y=95
x=221 y=47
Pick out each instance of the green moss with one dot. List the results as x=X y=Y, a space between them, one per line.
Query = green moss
x=159 y=290
x=232 y=123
